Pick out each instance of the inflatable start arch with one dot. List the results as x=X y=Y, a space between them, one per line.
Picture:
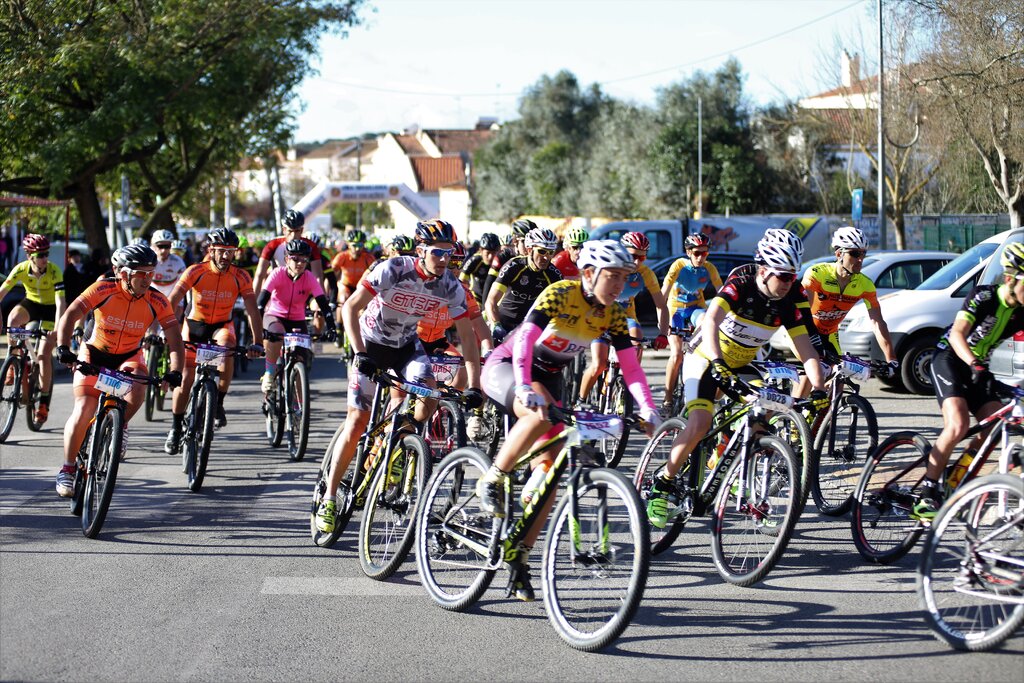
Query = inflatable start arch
x=327 y=193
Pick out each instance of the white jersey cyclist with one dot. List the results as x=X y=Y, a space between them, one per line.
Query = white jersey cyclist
x=167 y=273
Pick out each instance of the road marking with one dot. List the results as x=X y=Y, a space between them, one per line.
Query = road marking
x=336 y=585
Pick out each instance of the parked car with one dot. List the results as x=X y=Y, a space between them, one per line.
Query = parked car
x=891 y=271
x=916 y=318
x=724 y=261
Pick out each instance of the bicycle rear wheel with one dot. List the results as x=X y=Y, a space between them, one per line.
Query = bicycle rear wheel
x=297 y=392
x=883 y=529
x=446 y=429
x=103 y=461
x=842 y=444
x=386 y=530
x=199 y=433
x=754 y=517
x=453 y=534
x=344 y=500
x=35 y=393
x=619 y=402
x=653 y=457
x=9 y=394
x=596 y=560
x=971 y=576
x=152 y=390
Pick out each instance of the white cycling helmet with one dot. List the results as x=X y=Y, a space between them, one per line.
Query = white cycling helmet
x=163 y=236
x=600 y=254
x=783 y=258
x=848 y=237
x=786 y=237
x=541 y=237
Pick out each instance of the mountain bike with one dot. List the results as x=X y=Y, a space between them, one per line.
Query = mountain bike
x=158 y=362
x=243 y=333
x=610 y=395
x=572 y=376
x=446 y=429
x=287 y=407
x=101 y=450
x=596 y=556
x=883 y=528
x=19 y=374
x=676 y=401
x=752 y=492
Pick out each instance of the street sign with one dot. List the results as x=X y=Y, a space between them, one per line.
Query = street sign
x=858 y=204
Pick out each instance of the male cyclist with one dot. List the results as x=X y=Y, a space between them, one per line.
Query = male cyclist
x=477 y=266
x=740 y=320
x=124 y=308
x=515 y=245
x=282 y=302
x=273 y=256
x=683 y=287
x=214 y=284
x=380 y=321
x=44 y=302
x=521 y=281
x=566 y=259
x=350 y=265
x=169 y=266
x=524 y=373
x=636 y=245
x=963 y=383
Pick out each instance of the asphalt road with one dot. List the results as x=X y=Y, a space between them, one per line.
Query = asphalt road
x=225 y=584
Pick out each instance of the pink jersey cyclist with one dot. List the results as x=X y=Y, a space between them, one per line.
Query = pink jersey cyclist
x=288 y=297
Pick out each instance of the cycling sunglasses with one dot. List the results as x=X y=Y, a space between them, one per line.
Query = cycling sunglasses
x=440 y=253
x=543 y=252
x=857 y=253
x=783 y=277
x=40 y=254
x=639 y=257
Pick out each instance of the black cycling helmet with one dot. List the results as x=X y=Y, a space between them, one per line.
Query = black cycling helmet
x=437 y=230
x=357 y=236
x=523 y=226
x=133 y=256
x=222 y=237
x=490 y=241
x=403 y=244
x=293 y=219
x=298 y=248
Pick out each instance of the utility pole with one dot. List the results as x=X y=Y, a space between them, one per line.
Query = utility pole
x=359 y=177
x=882 y=239
x=700 y=158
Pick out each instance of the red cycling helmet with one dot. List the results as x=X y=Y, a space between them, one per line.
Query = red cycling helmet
x=696 y=241
x=636 y=240
x=34 y=243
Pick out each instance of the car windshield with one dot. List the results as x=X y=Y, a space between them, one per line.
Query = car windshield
x=944 y=277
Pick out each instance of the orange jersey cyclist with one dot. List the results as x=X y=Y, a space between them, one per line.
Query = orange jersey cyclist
x=349 y=266
x=215 y=284
x=124 y=307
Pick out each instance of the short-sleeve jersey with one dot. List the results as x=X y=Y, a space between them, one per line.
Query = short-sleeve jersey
x=992 y=320
x=288 y=297
x=637 y=281
x=565 y=265
x=121 y=319
x=351 y=267
x=403 y=295
x=688 y=283
x=40 y=289
x=474 y=271
x=433 y=325
x=166 y=273
x=829 y=303
x=751 y=318
x=522 y=284
x=213 y=292
x=274 y=250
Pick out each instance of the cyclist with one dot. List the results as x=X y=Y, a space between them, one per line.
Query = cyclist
x=214 y=286
x=44 y=302
x=834 y=288
x=380 y=321
x=282 y=304
x=636 y=245
x=524 y=373
x=433 y=326
x=169 y=267
x=963 y=383
x=349 y=265
x=180 y=249
x=566 y=259
x=124 y=307
x=476 y=268
x=739 y=321
x=292 y=223
x=521 y=281
x=515 y=245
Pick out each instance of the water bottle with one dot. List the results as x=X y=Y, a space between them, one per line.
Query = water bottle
x=959 y=470
x=533 y=483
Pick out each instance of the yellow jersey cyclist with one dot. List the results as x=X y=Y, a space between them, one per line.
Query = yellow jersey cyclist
x=636 y=245
x=683 y=289
x=963 y=383
x=521 y=281
x=44 y=302
x=524 y=373
x=740 y=320
x=832 y=290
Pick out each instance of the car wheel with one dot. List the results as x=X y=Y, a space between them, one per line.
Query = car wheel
x=915 y=367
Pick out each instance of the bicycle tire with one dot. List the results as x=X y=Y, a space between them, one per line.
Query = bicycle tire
x=446 y=429
x=78 y=485
x=618 y=556
x=386 y=530
x=297 y=402
x=748 y=537
x=199 y=435
x=654 y=455
x=10 y=395
x=618 y=402
x=152 y=360
x=837 y=465
x=35 y=393
x=883 y=530
x=790 y=426
x=980 y=527
x=454 y=574
x=275 y=414
x=241 y=364
x=104 y=458
x=345 y=502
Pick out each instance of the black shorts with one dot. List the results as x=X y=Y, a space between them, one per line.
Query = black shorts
x=286 y=325
x=436 y=347
x=110 y=361
x=499 y=382
x=44 y=313
x=203 y=332
x=952 y=377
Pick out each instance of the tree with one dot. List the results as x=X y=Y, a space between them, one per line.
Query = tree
x=173 y=94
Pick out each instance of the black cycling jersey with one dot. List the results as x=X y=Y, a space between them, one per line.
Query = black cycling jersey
x=797 y=297
x=522 y=284
x=992 y=320
x=497 y=263
x=474 y=271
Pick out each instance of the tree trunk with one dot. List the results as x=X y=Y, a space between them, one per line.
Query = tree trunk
x=88 y=204
x=1016 y=211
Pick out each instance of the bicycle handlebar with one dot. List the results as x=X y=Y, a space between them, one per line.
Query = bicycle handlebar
x=92 y=369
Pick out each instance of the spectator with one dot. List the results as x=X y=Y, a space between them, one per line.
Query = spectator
x=6 y=250
x=76 y=277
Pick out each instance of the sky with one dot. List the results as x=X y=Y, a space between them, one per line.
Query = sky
x=446 y=63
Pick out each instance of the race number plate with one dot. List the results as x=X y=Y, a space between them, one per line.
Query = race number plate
x=595 y=426
x=781 y=372
x=210 y=354
x=856 y=370
x=445 y=368
x=297 y=340
x=113 y=383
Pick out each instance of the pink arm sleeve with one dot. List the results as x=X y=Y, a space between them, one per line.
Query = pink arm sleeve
x=522 y=352
x=635 y=378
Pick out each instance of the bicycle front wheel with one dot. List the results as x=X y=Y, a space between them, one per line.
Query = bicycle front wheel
x=386 y=529
x=199 y=434
x=446 y=429
x=882 y=525
x=619 y=402
x=35 y=393
x=844 y=441
x=275 y=414
x=596 y=560
x=344 y=499
x=102 y=471
x=297 y=402
x=453 y=533
x=152 y=360
x=971 y=576
x=10 y=383
x=755 y=513
x=653 y=457
x=790 y=426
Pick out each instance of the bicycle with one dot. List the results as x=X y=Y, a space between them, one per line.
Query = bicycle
x=446 y=429
x=100 y=453
x=610 y=395
x=22 y=370
x=287 y=406
x=971 y=576
x=883 y=528
x=572 y=376
x=385 y=477
x=676 y=401
x=158 y=362
x=243 y=333
x=752 y=492
x=596 y=533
